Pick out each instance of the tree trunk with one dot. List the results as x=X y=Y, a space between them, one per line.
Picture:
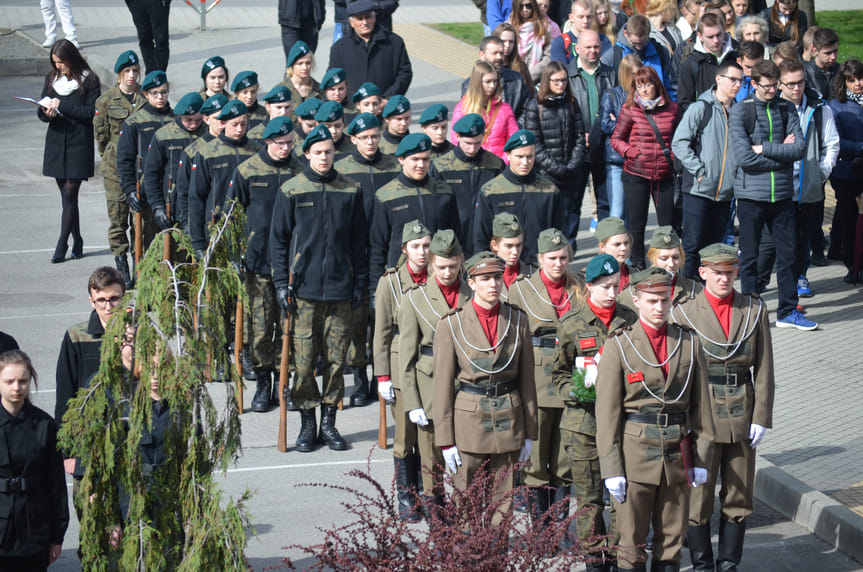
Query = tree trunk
x=808 y=6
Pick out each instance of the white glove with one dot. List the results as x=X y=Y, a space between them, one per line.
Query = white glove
x=589 y=366
x=617 y=488
x=698 y=477
x=756 y=434
x=524 y=454
x=385 y=388
x=417 y=416
x=452 y=458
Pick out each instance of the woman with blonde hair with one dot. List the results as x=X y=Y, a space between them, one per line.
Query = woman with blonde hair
x=603 y=21
x=534 y=42
x=484 y=97
x=511 y=59
x=298 y=75
x=662 y=15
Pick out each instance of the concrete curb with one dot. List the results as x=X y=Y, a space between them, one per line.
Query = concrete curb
x=829 y=520
x=27 y=64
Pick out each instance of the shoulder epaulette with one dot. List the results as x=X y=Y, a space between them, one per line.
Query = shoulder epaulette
x=753 y=295
x=619 y=331
x=391 y=270
x=452 y=311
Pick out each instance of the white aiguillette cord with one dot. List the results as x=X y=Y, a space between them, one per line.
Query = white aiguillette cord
x=670 y=355
x=751 y=325
x=515 y=346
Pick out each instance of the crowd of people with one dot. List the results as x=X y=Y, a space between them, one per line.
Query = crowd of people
x=444 y=256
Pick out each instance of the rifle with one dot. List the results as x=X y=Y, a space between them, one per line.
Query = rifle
x=139 y=217
x=238 y=351
x=283 y=380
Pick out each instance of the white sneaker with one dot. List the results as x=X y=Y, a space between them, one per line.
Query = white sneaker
x=75 y=43
x=49 y=42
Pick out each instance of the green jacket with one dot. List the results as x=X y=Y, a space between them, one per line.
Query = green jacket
x=163 y=160
x=134 y=142
x=112 y=109
x=370 y=174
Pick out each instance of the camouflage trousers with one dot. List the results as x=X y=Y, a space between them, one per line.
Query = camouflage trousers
x=548 y=464
x=362 y=327
x=119 y=219
x=320 y=329
x=262 y=324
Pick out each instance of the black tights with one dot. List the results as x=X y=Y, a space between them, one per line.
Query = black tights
x=69 y=220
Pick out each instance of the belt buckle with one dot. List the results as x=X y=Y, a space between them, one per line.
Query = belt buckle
x=14 y=484
x=491 y=389
x=662 y=419
x=731 y=379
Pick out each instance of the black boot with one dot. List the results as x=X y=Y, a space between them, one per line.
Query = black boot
x=329 y=434
x=406 y=491
x=700 y=548
x=274 y=394
x=123 y=266
x=537 y=505
x=730 y=545
x=360 y=396
x=261 y=401
x=664 y=566
x=558 y=503
x=308 y=431
x=638 y=568
x=248 y=372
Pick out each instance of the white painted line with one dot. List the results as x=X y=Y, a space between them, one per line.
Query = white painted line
x=37 y=250
x=28 y=195
x=305 y=465
x=44 y=316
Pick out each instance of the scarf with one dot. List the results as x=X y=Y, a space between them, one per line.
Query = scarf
x=604 y=314
x=64 y=86
x=419 y=277
x=556 y=293
x=488 y=321
x=624 y=276
x=450 y=293
x=649 y=104
x=855 y=97
x=529 y=45
x=510 y=273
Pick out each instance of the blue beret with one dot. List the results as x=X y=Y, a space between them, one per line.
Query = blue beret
x=279 y=94
x=214 y=104
x=329 y=111
x=521 y=138
x=601 y=265
x=396 y=105
x=316 y=135
x=298 y=50
x=413 y=143
x=278 y=127
x=470 y=125
x=126 y=59
x=154 y=79
x=368 y=89
x=189 y=104
x=332 y=77
x=233 y=109
x=434 y=114
x=308 y=108
x=362 y=122
x=360 y=7
x=244 y=80
x=211 y=64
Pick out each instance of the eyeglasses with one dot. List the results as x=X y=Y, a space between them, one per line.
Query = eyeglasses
x=771 y=87
x=105 y=302
x=557 y=81
x=643 y=86
x=732 y=79
x=160 y=93
x=525 y=6
x=282 y=144
x=794 y=84
x=368 y=138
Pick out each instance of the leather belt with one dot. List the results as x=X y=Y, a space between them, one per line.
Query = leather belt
x=731 y=378
x=13 y=485
x=494 y=390
x=543 y=342
x=660 y=419
x=426 y=351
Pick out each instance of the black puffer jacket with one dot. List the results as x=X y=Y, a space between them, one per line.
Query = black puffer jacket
x=559 y=137
x=296 y=13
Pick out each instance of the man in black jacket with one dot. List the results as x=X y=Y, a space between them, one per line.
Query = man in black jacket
x=301 y=20
x=822 y=68
x=369 y=52
x=697 y=73
x=515 y=92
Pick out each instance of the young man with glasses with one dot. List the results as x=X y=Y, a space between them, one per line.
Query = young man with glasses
x=767 y=140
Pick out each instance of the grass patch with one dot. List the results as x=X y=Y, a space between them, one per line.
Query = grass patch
x=469 y=33
x=849 y=25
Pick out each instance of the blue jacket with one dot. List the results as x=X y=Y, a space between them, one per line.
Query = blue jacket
x=653 y=55
x=560 y=53
x=612 y=101
x=497 y=12
x=849 y=123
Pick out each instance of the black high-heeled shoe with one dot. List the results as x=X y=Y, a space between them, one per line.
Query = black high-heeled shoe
x=77 y=250
x=59 y=254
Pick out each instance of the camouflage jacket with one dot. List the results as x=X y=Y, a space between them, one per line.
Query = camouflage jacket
x=134 y=142
x=389 y=142
x=163 y=160
x=370 y=174
x=257 y=115
x=296 y=98
x=112 y=109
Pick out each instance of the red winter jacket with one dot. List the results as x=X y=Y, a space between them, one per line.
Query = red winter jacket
x=635 y=140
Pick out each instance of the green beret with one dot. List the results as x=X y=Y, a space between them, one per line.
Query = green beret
x=233 y=109
x=412 y=144
x=244 y=80
x=298 y=50
x=362 y=122
x=485 y=262
x=368 y=89
x=316 y=135
x=154 y=79
x=444 y=243
x=332 y=77
x=652 y=280
x=608 y=227
x=308 y=108
x=211 y=64
x=470 y=125
x=189 y=104
x=506 y=225
x=278 y=127
x=279 y=94
x=396 y=105
x=214 y=104
x=719 y=255
x=329 y=111
x=664 y=237
x=601 y=265
x=434 y=114
x=126 y=59
x=550 y=240
x=413 y=230
x=521 y=138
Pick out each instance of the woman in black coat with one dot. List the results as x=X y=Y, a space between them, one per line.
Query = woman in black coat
x=72 y=88
x=556 y=121
x=34 y=510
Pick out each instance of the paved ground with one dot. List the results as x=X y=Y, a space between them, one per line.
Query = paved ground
x=816 y=438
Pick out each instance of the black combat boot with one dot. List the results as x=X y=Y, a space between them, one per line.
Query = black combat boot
x=248 y=371
x=308 y=431
x=123 y=266
x=730 y=545
x=700 y=548
x=558 y=504
x=274 y=394
x=406 y=491
x=537 y=505
x=638 y=568
x=664 y=566
x=360 y=395
x=261 y=401
x=329 y=434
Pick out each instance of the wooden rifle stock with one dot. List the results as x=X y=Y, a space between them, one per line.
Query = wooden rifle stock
x=238 y=350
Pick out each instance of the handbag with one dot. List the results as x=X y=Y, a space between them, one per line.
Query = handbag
x=676 y=175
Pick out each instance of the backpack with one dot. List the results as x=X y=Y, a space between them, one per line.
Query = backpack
x=749 y=113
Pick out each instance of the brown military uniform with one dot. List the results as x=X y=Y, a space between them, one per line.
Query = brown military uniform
x=489 y=427
x=421 y=310
x=648 y=451
x=741 y=382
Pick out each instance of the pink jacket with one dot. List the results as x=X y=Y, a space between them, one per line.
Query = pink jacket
x=503 y=127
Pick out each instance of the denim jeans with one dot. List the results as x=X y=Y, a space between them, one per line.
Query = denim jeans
x=615 y=189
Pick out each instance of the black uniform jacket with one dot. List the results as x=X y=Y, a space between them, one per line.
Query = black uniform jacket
x=163 y=160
